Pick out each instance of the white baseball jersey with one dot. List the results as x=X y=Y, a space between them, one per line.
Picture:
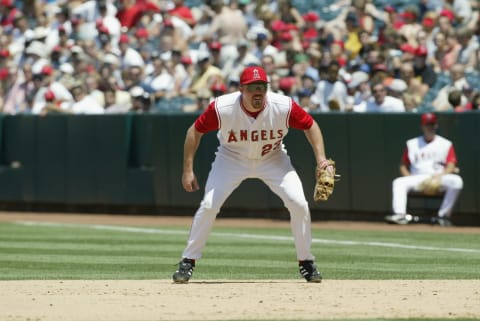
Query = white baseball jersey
x=428 y=157
x=243 y=136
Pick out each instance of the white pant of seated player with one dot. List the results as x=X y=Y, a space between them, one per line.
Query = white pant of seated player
x=452 y=184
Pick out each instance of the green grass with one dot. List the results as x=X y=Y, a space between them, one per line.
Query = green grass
x=83 y=252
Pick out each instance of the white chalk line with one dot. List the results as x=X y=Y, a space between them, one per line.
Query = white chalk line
x=249 y=236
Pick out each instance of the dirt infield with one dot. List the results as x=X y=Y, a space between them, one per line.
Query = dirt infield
x=240 y=300
x=110 y=300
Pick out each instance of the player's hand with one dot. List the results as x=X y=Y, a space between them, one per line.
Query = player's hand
x=189 y=182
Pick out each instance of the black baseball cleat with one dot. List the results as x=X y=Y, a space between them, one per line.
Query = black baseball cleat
x=184 y=271
x=309 y=271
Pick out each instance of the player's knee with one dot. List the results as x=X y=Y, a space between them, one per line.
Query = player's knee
x=397 y=183
x=298 y=206
x=208 y=207
x=456 y=182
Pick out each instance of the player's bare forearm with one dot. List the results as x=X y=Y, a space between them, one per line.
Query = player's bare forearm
x=450 y=168
x=315 y=138
x=192 y=141
x=404 y=170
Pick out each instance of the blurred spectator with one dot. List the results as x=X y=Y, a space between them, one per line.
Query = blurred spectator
x=128 y=56
x=263 y=46
x=457 y=81
x=274 y=84
x=218 y=89
x=16 y=99
x=228 y=25
x=130 y=12
x=380 y=102
x=411 y=27
x=52 y=105
x=161 y=81
x=358 y=89
x=330 y=93
x=289 y=14
x=203 y=99
x=416 y=90
x=215 y=49
x=468 y=48
x=45 y=81
x=243 y=59
x=446 y=51
x=475 y=102
x=116 y=101
x=84 y=102
x=183 y=12
x=455 y=101
x=141 y=100
x=422 y=68
x=92 y=86
x=7 y=14
x=205 y=73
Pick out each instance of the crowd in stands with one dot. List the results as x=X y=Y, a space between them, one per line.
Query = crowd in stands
x=106 y=56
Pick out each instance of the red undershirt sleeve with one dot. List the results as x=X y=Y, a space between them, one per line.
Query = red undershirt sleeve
x=299 y=118
x=405 y=159
x=451 y=156
x=208 y=120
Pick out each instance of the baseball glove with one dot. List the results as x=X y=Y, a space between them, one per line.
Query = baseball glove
x=325 y=181
x=431 y=185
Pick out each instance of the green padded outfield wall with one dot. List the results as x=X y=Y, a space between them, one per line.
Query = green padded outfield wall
x=137 y=160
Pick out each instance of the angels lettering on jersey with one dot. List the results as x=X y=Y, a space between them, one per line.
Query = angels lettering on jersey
x=245 y=135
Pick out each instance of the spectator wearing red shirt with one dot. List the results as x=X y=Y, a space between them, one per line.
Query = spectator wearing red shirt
x=133 y=10
x=183 y=12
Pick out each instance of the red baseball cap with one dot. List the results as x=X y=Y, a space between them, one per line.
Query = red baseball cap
x=47 y=70
x=219 y=87
x=408 y=48
x=124 y=38
x=421 y=51
x=429 y=118
x=49 y=95
x=215 y=45
x=141 y=33
x=253 y=74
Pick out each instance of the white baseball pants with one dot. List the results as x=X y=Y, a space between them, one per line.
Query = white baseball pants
x=452 y=184
x=227 y=173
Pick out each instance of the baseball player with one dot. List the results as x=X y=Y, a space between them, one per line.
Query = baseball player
x=251 y=124
x=430 y=159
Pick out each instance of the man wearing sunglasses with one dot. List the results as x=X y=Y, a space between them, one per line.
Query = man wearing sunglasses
x=251 y=125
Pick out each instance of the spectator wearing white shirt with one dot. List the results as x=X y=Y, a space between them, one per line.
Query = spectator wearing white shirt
x=84 y=103
x=129 y=56
x=161 y=81
x=44 y=80
x=380 y=102
x=331 y=93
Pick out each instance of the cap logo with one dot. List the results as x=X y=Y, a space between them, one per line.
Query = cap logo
x=256 y=74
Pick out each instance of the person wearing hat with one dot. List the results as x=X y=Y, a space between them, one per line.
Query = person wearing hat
x=243 y=58
x=426 y=156
x=251 y=125
x=205 y=73
x=44 y=81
